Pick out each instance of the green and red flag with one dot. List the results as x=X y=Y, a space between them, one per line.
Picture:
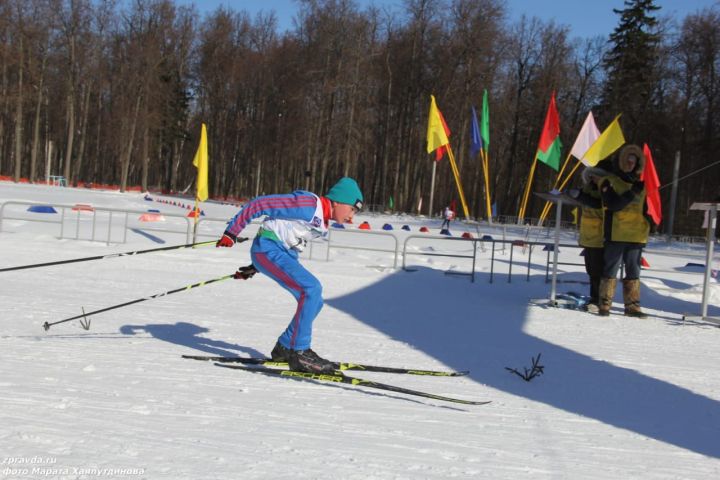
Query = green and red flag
x=550 y=146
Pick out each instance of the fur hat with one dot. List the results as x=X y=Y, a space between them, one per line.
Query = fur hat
x=628 y=151
x=346 y=191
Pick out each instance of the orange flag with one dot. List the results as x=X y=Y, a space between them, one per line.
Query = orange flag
x=440 y=152
x=652 y=186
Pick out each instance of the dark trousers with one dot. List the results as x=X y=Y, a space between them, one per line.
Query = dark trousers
x=629 y=254
x=594 y=261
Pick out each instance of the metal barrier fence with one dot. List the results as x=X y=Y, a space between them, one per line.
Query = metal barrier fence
x=100 y=224
x=111 y=225
x=529 y=246
x=338 y=231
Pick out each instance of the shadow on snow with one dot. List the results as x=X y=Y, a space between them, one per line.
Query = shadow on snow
x=190 y=335
x=452 y=321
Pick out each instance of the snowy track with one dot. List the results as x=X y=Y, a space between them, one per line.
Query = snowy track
x=620 y=398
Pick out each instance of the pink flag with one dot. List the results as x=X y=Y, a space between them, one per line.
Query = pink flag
x=587 y=136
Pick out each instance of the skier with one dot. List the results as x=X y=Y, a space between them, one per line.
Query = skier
x=292 y=220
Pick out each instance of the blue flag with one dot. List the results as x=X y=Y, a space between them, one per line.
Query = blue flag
x=475 y=138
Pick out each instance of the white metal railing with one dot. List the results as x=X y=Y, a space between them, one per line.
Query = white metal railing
x=340 y=231
x=70 y=226
x=526 y=246
x=100 y=223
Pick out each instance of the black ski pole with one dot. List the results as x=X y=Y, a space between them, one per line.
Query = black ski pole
x=111 y=255
x=86 y=324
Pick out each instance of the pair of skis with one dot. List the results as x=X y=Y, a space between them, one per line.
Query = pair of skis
x=269 y=367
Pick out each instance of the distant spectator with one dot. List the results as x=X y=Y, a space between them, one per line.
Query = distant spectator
x=448 y=215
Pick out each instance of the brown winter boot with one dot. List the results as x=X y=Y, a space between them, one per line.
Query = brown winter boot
x=607 y=292
x=631 y=297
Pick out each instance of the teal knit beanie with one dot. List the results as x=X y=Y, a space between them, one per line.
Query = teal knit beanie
x=347 y=191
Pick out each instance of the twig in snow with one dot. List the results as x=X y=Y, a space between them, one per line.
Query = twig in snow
x=535 y=371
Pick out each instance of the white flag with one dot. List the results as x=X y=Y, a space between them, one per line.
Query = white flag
x=587 y=136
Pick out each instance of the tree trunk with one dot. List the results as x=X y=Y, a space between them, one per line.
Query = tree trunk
x=19 y=115
x=70 y=133
x=98 y=130
x=258 y=173
x=125 y=165
x=3 y=109
x=145 y=157
x=84 y=113
x=36 y=124
x=177 y=157
x=351 y=121
x=70 y=112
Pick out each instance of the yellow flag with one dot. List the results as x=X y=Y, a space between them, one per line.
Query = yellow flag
x=201 y=162
x=574 y=212
x=609 y=141
x=436 y=136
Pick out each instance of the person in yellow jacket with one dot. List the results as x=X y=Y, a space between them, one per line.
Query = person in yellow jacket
x=626 y=229
x=591 y=228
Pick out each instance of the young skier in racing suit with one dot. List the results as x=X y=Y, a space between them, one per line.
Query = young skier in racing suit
x=291 y=221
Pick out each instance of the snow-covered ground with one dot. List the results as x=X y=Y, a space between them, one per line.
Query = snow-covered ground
x=620 y=398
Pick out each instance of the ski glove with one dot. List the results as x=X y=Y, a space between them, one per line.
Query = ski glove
x=637 y=186
x=227 y=240
x=245 y=273
x=573 y=193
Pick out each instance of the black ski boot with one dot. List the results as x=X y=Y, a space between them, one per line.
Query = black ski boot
x=309 y=361
x=280 y=353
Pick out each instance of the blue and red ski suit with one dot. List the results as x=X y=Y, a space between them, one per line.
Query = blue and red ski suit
x=292 y=220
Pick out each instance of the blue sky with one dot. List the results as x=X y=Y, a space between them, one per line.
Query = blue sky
x=586 y=18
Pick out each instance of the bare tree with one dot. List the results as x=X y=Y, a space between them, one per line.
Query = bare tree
x=20 y=93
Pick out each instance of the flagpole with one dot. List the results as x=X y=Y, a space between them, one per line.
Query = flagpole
x=548 y=205
x=567 y=159
x=486 y=172
x=521 y=214
x=201 y=187
x=197 y=215
x=546 y=212
x=456 y=174
x=432 y=189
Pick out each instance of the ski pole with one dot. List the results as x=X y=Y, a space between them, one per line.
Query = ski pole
x=111 y=255
x=86 y=323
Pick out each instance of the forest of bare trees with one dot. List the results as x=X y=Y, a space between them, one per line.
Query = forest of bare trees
x=103 y=91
